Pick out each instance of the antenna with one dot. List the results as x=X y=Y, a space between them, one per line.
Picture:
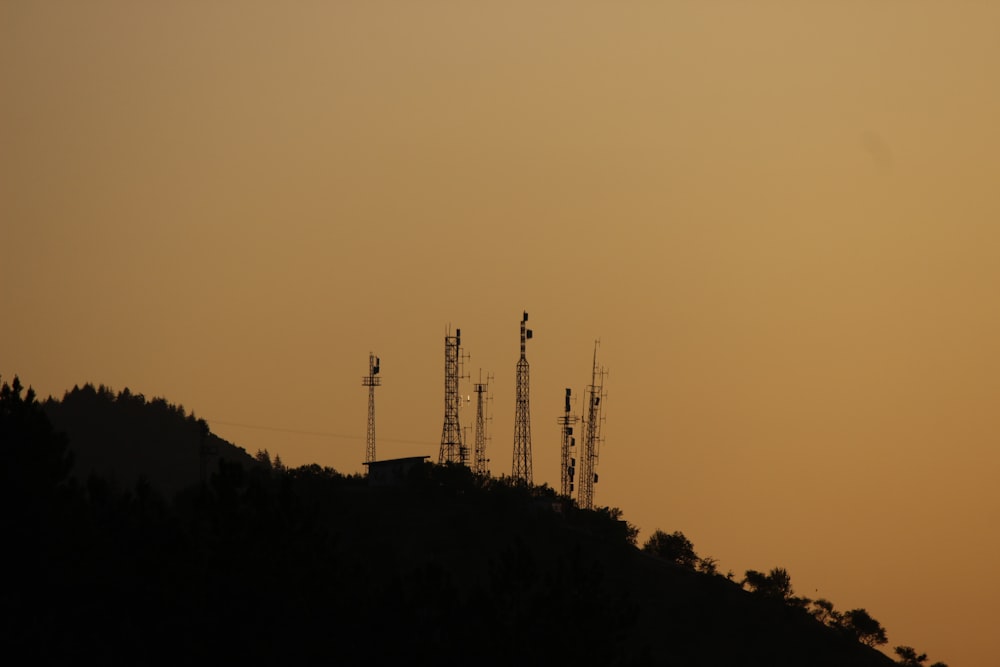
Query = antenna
x=522 y=414
x=480 y=464
x=452 y=450
x=371 y=381
x=592 y=439
x=567 y=450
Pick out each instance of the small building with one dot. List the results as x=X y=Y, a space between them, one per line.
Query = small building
x=392 y=472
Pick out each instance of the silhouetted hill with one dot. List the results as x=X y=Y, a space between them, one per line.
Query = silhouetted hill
x=466 y=565
x=305 y=565
x=125 y=438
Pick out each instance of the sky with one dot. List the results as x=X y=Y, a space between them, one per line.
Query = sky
x=779 y=218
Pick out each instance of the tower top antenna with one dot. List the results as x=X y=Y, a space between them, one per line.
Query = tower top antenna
x=525 y=333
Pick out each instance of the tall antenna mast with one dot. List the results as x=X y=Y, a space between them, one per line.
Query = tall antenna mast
x=567 y=461
x=592 y=440
x=371 y=381
x=522 y=414
x=480 y=464
x=452 y=450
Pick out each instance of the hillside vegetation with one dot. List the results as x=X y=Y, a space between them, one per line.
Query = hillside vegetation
x=261 y=563
x=126 y=438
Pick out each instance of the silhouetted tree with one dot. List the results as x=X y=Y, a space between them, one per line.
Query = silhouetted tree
x=823 y=611
x=859 y=624
x=33 y=457
x=675 y=548
x=708 y=565
x=776 y=584
x=908 y=657
x=263 y=457
x=629 y=532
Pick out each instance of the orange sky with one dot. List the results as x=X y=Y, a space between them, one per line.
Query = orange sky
x=780 y=218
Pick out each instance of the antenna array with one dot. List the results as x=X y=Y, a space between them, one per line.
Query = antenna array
x=567 y=462
x=592 y=438
x=480 y=464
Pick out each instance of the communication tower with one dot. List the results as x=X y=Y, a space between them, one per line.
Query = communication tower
x=371 y=381
x=452 y=450
x=567 y=450
x=480 y=464
x=592 y=438
x=522 y=414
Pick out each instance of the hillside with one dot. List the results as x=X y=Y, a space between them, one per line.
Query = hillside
x=306 y=565
x=125 y=438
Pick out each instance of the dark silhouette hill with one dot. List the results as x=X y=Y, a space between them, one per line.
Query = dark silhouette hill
x=264 y=564
x=124 y=438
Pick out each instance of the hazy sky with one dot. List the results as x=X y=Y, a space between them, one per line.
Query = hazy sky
x=781 y=219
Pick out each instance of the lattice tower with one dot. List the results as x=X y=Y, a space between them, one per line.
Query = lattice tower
x=480 y=464
x=522 y=414
x=371 y=381
x=592 y=438
x=452 y=450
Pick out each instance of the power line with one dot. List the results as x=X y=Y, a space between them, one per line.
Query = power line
x=321 y=434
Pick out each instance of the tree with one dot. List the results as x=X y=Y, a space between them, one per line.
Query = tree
x=908 y=657
x=776 y=584
x=627 y=530
x=675 y=548
x=860 y=625
x=34 y=459
x=708 y=565
x=824 y=612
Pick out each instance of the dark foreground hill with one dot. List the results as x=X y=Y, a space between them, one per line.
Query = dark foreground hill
x=307 y=566
x=124 y=437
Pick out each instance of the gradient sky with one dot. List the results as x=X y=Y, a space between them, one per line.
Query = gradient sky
x=781 y=219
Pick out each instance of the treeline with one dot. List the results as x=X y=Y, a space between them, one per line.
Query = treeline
x=125 y=437
x=776 y=585
x=156 y=408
